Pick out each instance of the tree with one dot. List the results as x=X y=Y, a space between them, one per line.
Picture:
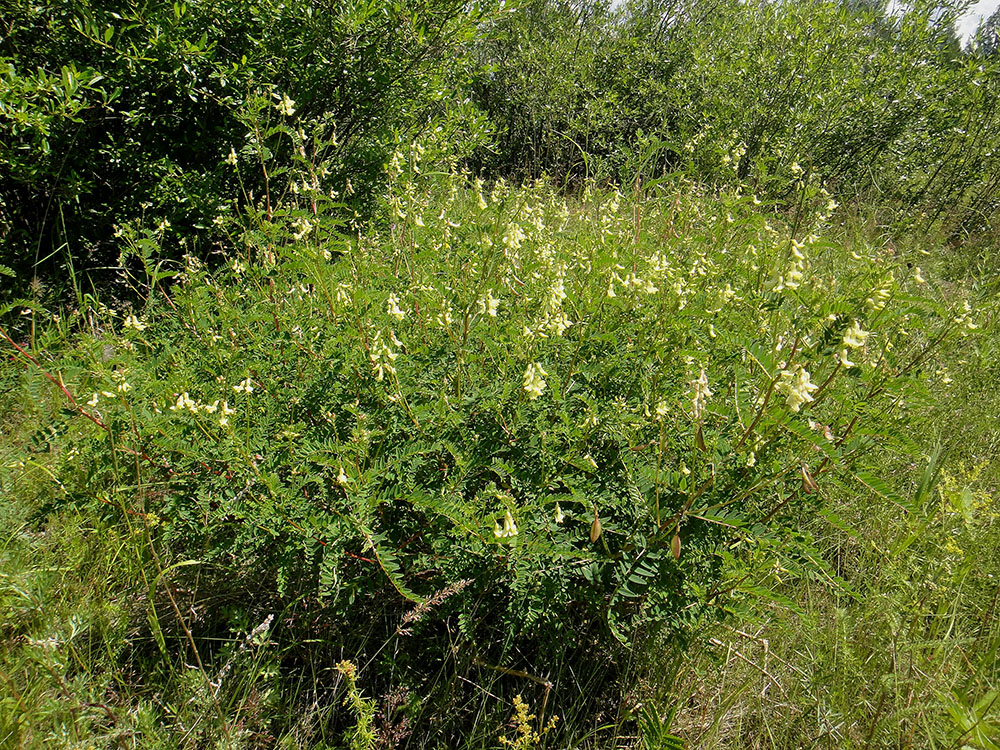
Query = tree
x=986 y=41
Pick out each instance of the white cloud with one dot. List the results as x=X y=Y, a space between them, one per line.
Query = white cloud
x=972 y=18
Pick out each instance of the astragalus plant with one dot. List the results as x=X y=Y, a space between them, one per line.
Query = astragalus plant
x=502 y=424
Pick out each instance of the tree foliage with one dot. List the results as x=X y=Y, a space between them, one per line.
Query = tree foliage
x=117 y=113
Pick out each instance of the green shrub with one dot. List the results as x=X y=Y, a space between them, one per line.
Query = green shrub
x=567 y=425
x=751 y=95
x=111 y=115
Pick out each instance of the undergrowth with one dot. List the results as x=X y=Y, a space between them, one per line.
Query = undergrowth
x=365 y=487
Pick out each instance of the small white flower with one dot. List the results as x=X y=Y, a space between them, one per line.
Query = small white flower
x=244 y=387
x=94 y=400
x=342 y=478
x=918 y=276
x=559 y=514
x=231 y=159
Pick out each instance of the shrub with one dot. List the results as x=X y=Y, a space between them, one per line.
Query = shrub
x=568 y=425
x=114 y=115
x=748 y=94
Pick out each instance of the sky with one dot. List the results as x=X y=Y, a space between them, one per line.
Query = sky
x=979 y=11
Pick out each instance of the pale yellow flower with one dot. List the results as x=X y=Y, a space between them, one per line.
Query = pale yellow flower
x=492 y=303
x=509 y=527
x=134 y=323
x=285 y=105
x=798 y=386
x=842 y=357
x=226 y=413
x=534 y=382
x=854 y=337
x=701 y=393
x=393 y=309
x=184 y=401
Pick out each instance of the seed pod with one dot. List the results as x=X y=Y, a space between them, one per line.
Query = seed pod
x=808 y=483
x=595 y=527
x=675 y=546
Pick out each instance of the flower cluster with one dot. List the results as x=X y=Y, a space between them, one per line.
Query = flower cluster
x=534 y=382
x=880 y=297
x=285 y=105
x=797 y=386
x=509 y=528
x=795 y=273
x=392 y=308
x=554 y=320
x=245 y=386
x=186 y=403
x=700 y=394
x=854 y=338
x=488 y=304
x=134 y=323
x=382 y=356
x=964 y=319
